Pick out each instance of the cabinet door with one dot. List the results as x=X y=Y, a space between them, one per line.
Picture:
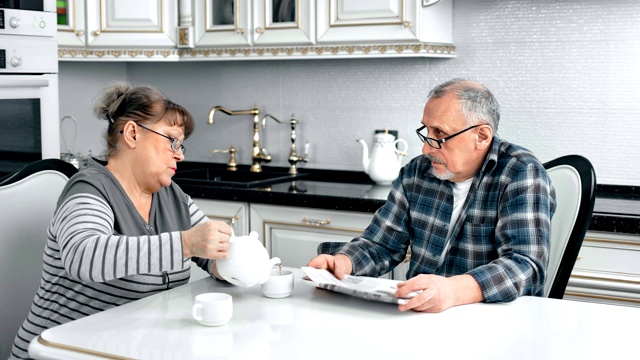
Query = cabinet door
x=293 y=234
x=222 y=22
x=374 y=20
x=131 y=23
x=233 y=213
x=284 y=22
x=71 y=23
x=607 y=270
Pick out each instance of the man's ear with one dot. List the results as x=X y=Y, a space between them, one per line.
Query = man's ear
x=485 y=134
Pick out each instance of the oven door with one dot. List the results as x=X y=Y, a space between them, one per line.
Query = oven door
x=29 y=127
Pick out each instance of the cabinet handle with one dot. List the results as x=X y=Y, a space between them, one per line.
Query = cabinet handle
x=79 y=32
x=95 y=33
x=407 y=24
x=315 y=222
x=233 y=222
x=259 y=30
x=240 y=30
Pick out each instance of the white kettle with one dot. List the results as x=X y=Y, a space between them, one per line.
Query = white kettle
x=247 y=263
x=384 y=164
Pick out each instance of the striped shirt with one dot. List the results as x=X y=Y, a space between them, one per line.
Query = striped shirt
x=501 y=236
x=101 y=253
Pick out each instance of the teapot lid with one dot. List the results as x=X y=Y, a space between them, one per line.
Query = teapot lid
x=385 y=134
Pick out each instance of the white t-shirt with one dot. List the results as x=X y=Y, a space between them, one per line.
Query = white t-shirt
x=460 y=192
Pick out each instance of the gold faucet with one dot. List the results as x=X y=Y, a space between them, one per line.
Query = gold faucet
x=294 y=158
x=232 y=165
x=258 y=154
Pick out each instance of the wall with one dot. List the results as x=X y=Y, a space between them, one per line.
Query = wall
x=566 y=74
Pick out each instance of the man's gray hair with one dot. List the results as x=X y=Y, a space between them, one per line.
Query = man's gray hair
x=477 y=103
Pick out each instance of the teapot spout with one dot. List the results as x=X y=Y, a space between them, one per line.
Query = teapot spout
x=365 y=155
x=273 y=262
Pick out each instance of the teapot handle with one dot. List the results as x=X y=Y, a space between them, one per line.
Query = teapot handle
x=402 y=152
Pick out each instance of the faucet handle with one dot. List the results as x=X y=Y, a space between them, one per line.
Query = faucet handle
x=232 y=165
x=264 y=119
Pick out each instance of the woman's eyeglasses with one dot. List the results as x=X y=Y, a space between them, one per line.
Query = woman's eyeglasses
x=176 y=144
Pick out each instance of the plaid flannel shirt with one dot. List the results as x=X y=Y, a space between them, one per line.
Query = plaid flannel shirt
x=501 y=236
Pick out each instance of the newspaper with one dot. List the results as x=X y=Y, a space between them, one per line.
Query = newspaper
x=364 y=287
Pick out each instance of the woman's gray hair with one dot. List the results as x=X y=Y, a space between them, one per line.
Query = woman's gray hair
x=477 y=103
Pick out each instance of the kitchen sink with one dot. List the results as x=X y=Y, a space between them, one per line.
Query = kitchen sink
x=234 y=179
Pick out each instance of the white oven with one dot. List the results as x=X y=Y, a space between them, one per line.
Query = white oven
x=29 y=115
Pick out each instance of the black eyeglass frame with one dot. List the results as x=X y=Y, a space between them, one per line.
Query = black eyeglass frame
x=438 y=143
x=174 y=141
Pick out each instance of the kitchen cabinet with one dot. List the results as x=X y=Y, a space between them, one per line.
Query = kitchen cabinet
x=607 y=270
x=121 y=24
x=223 y=23
x=257 y=29
x=341 y=21
x=185 y=30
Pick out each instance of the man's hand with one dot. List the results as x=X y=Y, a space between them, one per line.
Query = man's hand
x=439 y=293
x=339 y=264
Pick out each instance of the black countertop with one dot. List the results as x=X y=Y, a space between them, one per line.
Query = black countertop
x=617 y=208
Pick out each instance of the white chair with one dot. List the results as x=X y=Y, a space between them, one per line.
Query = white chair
x=28 y=199
x=574 y=179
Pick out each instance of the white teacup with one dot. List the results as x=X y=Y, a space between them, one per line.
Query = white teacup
x=279 y=285
x=212 y=309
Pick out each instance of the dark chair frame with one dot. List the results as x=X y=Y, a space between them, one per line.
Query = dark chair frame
x=588 y=198
x=45 y=164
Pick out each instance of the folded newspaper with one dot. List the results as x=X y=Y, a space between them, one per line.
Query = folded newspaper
x=370 y=288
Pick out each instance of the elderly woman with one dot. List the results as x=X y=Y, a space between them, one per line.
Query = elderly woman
x=122 y=229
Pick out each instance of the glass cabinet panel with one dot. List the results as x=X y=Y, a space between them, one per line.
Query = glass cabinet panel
x=62 y=9
x=283 y=11
x=222 y=12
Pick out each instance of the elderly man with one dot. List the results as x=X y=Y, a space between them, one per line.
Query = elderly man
x=474 y=210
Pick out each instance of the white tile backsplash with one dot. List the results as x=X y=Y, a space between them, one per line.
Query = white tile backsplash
x=566 y=73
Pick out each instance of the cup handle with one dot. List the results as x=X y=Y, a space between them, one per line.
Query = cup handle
x=196 y=311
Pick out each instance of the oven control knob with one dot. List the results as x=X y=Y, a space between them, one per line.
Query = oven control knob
x=16 y=61
x=14 y=22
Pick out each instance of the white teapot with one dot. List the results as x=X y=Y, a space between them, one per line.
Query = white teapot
x=384 y=165
x=247 y=263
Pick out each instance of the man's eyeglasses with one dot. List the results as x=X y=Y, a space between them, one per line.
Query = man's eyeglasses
x=176 y=144
x=435 y=143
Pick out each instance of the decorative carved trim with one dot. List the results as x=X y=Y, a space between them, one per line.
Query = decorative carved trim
x=113 y=54
x=279 y=52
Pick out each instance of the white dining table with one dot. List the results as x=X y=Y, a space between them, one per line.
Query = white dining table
x=314 y=323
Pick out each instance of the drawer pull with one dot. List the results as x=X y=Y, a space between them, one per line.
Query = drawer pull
x=315 y=222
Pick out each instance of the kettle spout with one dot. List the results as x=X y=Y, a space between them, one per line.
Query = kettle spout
x=365 y=155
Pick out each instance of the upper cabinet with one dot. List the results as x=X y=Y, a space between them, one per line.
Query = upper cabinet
x=341 y=21
x=253 y=29
x=116 y=24
x=221 y=23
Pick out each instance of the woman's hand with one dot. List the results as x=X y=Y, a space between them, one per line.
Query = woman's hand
x=209 y=240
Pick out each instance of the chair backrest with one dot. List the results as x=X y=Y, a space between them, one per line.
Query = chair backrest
x=28 y=199
x=574 y=179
